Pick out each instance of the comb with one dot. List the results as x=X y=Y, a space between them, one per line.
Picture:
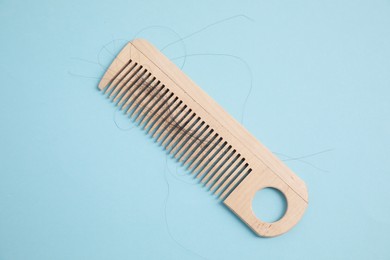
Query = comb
x=201 y=135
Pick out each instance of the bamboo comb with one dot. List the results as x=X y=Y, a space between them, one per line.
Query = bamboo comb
x=200 y=134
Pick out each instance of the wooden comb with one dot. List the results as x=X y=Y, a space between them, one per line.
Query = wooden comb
x=198 y=132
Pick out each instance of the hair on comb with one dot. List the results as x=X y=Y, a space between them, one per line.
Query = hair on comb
x=201 y=135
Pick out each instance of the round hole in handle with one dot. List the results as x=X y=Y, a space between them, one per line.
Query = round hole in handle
x=269 y=204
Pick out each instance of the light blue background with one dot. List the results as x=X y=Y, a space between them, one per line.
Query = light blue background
x=74 y=186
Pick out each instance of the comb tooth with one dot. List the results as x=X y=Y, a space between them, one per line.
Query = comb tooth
x=122 y=88
x=120 y=75
x=129 y=95
x=123 y=81
x=220 y=169
x=227 y=178
x=144 y=115
x=185 y=131
x=202 y=150
x=215 y=162
x=177 y=127
x=169 y=115
x=156 y=112
x=109 y=79
x=200 y=128
x=207 y=155
x=152 y=112
x=170 y=123
x=220 y=175
x=191 y=133
x=166 y=121
x=137 y=90
x=153 y=102
x=240 y=176
x=157 y=88
x=144 y=90
x=209 y=160
x=168 y=111
x=194 y=146
x=130 y=86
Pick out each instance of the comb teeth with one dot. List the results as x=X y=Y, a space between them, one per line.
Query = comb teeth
x=184 y=135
